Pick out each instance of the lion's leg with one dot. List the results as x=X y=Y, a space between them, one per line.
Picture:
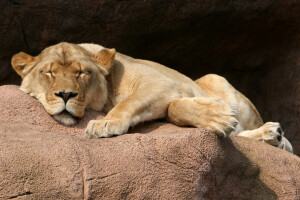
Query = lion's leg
x=138 y=107
x=217 y=86
x=250 y=123
x=271 y=133
x=206 y=112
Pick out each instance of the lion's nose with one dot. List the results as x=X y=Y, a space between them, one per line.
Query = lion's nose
x=66 y=95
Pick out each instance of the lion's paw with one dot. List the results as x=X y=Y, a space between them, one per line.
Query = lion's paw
x=219 y=117
x=285 y=144
x=105 y=128
x=272 y=133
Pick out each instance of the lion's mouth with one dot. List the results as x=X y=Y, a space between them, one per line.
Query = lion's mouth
x=65 y=118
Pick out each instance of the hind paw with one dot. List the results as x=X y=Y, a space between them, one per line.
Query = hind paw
x=272 y=133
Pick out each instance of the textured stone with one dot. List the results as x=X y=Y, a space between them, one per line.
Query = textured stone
x=254 y=44
x=41 y=159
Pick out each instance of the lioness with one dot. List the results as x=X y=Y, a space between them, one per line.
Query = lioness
x=67 y=78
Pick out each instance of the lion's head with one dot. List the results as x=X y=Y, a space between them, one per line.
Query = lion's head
x=66 y=78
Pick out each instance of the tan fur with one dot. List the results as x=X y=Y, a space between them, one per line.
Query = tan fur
x=22 y=63
x=132 y=91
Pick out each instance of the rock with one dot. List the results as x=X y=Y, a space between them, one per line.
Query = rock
x=41 y=159
x=254 y=44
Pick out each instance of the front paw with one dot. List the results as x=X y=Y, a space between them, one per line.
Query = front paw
x=105 y=128
x=272 y=133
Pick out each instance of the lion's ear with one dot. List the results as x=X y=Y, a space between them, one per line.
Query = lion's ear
x=106 y=57
x=22 y=63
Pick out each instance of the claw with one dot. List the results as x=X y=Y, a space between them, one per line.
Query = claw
x=231 y=127
x=218 y=130
x=227 y=124
x=219 y=100
x=234 y=112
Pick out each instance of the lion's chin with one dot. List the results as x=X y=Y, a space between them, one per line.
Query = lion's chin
x=65 y=118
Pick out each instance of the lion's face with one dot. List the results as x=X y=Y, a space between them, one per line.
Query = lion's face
x=66 y=79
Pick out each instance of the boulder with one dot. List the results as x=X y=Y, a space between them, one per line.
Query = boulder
x=254 y=44
x=41 y=159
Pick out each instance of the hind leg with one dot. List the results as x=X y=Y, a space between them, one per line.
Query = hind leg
x=270 y=133
x=206 y=112
x=247 y=115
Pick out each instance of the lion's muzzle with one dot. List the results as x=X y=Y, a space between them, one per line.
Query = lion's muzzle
x=66 y=95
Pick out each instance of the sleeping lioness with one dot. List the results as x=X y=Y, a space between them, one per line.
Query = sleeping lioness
x=68 y=78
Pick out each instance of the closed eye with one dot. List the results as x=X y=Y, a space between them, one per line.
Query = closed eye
x=83 y=73
x=49 y=73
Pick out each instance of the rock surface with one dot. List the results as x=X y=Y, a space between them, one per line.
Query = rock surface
x=254 y=44
x=41 y=159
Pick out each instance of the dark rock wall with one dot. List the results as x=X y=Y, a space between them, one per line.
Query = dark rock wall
x=254 y=44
